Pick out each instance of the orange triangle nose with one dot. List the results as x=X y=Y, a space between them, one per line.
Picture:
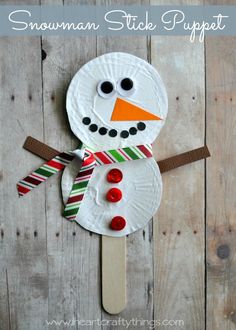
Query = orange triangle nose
x=125 y=111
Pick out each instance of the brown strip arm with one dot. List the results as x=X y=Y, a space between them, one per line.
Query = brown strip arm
x=44 y=151
x=39 y=148
x=183 y=159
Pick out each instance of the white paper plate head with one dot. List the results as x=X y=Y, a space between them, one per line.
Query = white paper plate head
x=116 y=100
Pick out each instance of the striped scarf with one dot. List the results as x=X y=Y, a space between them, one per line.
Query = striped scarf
x=90 y=160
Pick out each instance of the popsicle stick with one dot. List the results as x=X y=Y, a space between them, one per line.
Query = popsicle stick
x=113 y=274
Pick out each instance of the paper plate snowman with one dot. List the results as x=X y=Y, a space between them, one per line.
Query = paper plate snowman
x=117 y=100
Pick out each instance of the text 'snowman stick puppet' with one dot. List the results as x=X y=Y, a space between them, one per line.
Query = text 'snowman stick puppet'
x=111 y=185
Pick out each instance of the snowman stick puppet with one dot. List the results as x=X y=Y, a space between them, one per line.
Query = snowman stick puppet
x=111 y=184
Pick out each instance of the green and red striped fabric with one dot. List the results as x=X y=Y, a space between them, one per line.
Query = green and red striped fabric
x=123 y=154
x=90 y=160
x=44 y=172
x=79 y=186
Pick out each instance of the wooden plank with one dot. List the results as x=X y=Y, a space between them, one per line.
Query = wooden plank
x=113 y=274
x=221 y=183
x=5 y=316
x=219 y=2
x=73 y=253
x=23 y=245
x=179 y=224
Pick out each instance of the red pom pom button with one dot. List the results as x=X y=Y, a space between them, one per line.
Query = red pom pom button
x=114 y=175
x=118 y=223
x=114 y=195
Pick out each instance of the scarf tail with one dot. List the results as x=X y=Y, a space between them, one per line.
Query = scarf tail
x=79 y=186
x=44 y=172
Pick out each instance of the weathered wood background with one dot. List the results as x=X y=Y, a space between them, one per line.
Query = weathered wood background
x=182 y=266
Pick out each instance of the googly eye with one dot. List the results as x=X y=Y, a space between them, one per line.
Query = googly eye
x=106 y=88
x=125 y=87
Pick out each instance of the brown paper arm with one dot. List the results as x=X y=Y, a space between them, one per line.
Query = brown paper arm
x=44 y=151
x=183 y=159
x=39 y=148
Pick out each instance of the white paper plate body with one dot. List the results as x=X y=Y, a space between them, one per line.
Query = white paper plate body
x=141 y=187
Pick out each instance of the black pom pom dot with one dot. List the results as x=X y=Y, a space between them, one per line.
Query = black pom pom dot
x=113 y=133
x=102 y=131
x=133 y=130
x=93 y=127
x=124 y=134
x=141 y=126
x=86 y=121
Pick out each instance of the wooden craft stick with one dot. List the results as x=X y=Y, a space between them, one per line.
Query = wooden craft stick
x=113 y=274
x=44 y=151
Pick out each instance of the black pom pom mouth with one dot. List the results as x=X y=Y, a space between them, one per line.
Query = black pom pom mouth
x=113 y=133
x=141 y=126
x=93 y=127
x=102 y=131
x=124 y=134
x=86 y=121
x=133 y=130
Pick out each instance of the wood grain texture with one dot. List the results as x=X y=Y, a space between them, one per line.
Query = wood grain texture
x=179 y=223
x=23 y=227
x=50 y=268
x=221 y=183
x=113 y=274
x=73 y=253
